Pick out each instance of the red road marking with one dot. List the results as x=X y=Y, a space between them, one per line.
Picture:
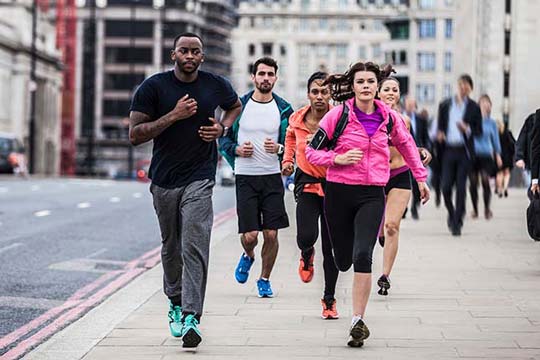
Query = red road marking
x=150 y=258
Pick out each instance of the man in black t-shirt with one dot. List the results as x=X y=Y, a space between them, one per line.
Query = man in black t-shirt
x=176 y=109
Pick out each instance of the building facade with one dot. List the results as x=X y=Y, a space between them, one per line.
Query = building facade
x=306 y=35
x=133 y=40
x=16 y=84
x=496 y=40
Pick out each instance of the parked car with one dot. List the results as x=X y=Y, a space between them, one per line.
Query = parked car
x=12 y=158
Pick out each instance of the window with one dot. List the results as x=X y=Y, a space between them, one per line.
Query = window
x=171 y=29
x=250 y=68
x=399 y=30
x=304 y=51
x=426 y=61
x=427 y=28
x=283 y=50
x=267 y=22
x=341 y=50
x=122 y=81
x=304 y=24
x=362 y=52
x=343 y=3
x=447 y=90
x=126 y=28
x=343 y=25
x=251 y=49
x=506 y=90
x=305 y=4
x=376 y=50
x=507 y=43
x=322 y=50
x=128 y=55
x=426 y=4
x=403 y=57
x=267 y=48
x=425 y=93
x=323 y=23
x=448 y=28
x=448 y=61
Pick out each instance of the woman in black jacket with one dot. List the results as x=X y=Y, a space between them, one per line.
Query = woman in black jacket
x=508 y=144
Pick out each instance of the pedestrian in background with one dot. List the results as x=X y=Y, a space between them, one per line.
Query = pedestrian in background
x=176 y=110
x=358 y=170
x=459 y=120
x=254 y=148
x=420 y=131
x=535 y=154
x=508 y=152
x=398 y=189
x=487 y=160
x=309 y=191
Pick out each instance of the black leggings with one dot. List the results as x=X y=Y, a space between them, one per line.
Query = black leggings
x=308 y=212
x=354 y=214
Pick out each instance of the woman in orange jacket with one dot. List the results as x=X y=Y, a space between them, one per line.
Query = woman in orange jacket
x=309 y=190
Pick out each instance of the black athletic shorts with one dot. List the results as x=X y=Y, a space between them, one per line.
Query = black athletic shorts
x=400 y=181
x=259 y=203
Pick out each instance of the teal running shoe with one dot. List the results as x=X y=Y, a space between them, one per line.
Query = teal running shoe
x=175 y=320
x=265 y=290
x=242 y=269
x=191 y=336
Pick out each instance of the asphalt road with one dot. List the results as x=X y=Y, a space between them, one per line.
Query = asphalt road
x=59 y=235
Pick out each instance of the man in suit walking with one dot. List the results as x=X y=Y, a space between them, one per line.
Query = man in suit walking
x=535 y=154
x=420 y=133
x=459 y=120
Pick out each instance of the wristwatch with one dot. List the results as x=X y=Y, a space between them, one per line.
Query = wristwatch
x=225 y=130
x=281 y=149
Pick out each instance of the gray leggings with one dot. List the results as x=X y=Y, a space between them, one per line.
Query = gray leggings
x=185 y=217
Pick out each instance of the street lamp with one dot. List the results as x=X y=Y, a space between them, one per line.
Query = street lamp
x=33 y=90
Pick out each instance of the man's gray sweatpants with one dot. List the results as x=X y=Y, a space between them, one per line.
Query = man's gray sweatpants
x=185 y=217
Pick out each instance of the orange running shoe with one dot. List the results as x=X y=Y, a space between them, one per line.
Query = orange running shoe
x=329 y=310
x=306 y=270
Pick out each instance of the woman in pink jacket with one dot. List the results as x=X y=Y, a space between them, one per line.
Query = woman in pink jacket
x=358 y=170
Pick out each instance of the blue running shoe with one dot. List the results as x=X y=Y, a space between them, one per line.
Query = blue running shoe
x=191 y=336
x=175 y=320
x=242 y=270
x=265 y=290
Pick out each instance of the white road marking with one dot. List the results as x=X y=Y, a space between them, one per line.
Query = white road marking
x=114 y=199
x=35 y=188
x=4 y=189
x=137 y=195
x=84 y=205
x=9 y=247
x=99 y=252
x=42 y=213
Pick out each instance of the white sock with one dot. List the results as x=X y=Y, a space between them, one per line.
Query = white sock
x=265 y=279
x=355 y=318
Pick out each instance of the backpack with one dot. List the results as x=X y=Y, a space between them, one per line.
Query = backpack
x=319 y=141
x=533 y=217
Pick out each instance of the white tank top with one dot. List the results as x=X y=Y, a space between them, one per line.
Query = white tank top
x=259 y=121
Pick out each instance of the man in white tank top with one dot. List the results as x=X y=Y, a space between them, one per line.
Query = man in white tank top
x=257 y=145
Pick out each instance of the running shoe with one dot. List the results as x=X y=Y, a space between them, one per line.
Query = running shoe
x=242 y=270
x=329 y=310
x=265 y=290
x=358 y=333
x=305 y=269
x=384 y=284
x=191 y=336
x=175 y=320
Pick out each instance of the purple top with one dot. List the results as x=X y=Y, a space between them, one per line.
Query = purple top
x=371 y=121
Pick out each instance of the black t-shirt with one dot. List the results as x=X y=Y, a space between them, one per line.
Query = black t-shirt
x=179 y=155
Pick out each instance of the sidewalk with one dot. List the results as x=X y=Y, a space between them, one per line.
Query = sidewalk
x=476 y=296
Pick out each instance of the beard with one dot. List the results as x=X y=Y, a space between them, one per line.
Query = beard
x=184 y=67
x=264 y=87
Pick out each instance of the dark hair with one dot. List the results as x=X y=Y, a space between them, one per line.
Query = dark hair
x=266 y=61
x=189 y=35
x=485 y=97
x=319 y=75
x=386 y=74
x=467 y=78
x=341 y=84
